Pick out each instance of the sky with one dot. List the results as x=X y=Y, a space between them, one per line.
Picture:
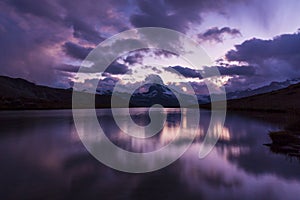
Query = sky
x=251 y=42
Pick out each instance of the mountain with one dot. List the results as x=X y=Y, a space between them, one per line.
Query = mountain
x=268 y=88
x=17 y=93
x=283 y=100
x=202 y=99
x=154 y=93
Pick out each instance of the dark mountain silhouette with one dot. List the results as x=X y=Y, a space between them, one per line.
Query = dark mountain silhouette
x=17 y=93
x=156 y=94
x=283 y=100
x=250 y=92
x=264 y=89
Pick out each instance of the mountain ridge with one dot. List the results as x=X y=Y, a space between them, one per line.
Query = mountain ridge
x=282 y=100
x=17 y=93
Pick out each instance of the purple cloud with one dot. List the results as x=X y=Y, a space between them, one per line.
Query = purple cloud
x=176 y=14
x=277 y=59
x=35 y=35
x=285 y=47
x=243 y=70
x=117 y=68
x=76 y=51
x=39 y=37
x=186 y=72
x=233 y=70
x=217 y=35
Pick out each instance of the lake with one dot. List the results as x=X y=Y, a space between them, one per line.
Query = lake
x=42 y=157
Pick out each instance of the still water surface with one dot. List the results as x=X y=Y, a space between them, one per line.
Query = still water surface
x=42 y=157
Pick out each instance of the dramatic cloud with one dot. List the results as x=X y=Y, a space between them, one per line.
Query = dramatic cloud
x=27 y=55
x=284 y=47
x=85 y=31
x=132 y=59
x=217 y=35
x=276 y=59
x=82 y=17
x=42 y=41
x=207 y=71
x=157 y=15
x=186 y=72
x=76 y=51
x=117 y=68
x=234 y=70
x=44 y=9
x=68 y=68
x=114 y=69
x=36 y=36
x=176 y=14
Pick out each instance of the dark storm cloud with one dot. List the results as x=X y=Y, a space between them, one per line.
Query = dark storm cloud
x=217 y=35
x=164 y=53
x=177 y=14
x=155 y=14
x=277 y=59
x=24 y=54
x=35 y=35
x=186 y=72
x=117 y=68
x=68 y=68
x=235 y=70
x=87 y=17
x=32 y=33
x=133 y=59
x=45 y=9
x=76 y=50
x=285 y=47
x=167 y=14
x=209 y=71
x=239 y=81
x=81 y=16
x=84 y=31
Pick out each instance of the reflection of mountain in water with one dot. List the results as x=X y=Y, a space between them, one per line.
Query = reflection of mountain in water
x=287 y=141
x=56 y=165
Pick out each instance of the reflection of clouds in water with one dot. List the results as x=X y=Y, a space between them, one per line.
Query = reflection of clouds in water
x=216 y=178
x=244 y=148
x=49 y=157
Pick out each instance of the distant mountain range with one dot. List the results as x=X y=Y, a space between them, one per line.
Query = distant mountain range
x=155 y=94
x=268 y=88
x=16 y=93
x=282 y=100
x=251 y=92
